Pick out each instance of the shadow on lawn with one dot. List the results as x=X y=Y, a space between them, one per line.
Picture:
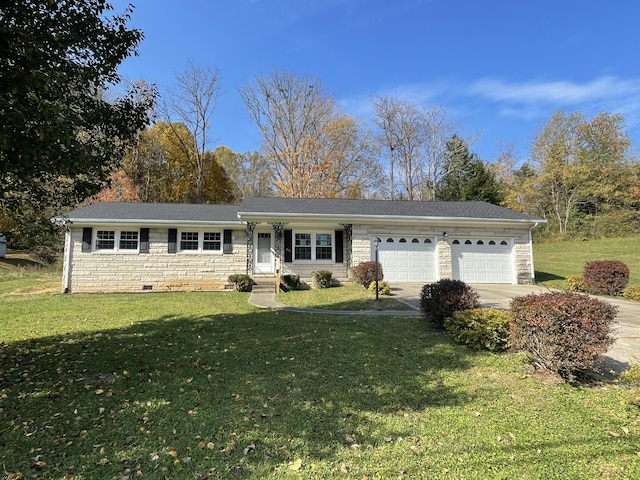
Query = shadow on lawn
x=209 y=387
x=546 y=277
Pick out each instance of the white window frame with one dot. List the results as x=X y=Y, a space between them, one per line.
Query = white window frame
x=117 y=237
x=314 y=245
x=201 y=242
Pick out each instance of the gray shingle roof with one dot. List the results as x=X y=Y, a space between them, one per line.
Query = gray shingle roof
x=160 y=212
x=395 y=208
x=272 y=207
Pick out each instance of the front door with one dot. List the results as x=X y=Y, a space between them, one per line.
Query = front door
x=264 y=253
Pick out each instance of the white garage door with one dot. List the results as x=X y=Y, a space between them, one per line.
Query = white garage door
x=480 y=260
x=407 y=259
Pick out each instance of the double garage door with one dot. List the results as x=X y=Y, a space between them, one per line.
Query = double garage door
x=473 y=260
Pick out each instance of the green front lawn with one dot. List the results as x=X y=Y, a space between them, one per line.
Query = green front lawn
x=345 y=297
x=202 y=385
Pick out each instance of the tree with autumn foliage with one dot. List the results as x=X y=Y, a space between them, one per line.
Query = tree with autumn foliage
x=314 y=149
x=578 y=175
x=162 y=167
x=190 y=105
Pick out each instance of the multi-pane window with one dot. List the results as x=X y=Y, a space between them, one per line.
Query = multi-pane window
x=313 y=246
x=324 y=250
x=303 y=246
x=116 y=240
x=211 y=241
x=105 y=240
x=128 y=240
x=201 y=241
x=189 y=241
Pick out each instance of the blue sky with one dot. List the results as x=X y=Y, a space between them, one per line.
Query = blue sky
x=500 y=68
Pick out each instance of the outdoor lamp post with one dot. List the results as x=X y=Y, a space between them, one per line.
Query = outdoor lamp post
x=376 y=242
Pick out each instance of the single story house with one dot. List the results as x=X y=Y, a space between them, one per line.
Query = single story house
x=129 y=247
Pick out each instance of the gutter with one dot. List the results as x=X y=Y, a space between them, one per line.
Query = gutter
x=143 y=222
x=344 y=218
x=533 y=270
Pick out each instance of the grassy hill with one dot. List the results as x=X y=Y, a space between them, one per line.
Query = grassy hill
x=555 y=261
x=20 y=273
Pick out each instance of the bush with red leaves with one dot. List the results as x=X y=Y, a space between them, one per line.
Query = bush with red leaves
x=365 y=273
x=606 y=277
x=563 y=332
x=439 y=301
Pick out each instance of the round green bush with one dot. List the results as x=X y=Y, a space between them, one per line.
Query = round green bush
x=322 y=278
x=480 y=328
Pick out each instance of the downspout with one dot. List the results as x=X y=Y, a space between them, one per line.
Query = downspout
x=68 y=255
x=533 y=271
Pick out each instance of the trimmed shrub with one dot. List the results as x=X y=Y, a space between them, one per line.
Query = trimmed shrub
x=322 y=278
x=561 y=331
x=575 y=283
x=365 y=273
x=480 y=328
x=441 y=299
x=383 y=288
x=631 y=376
x=291 y=281
x=632 y=293
x=606 y=277
x=241 y=282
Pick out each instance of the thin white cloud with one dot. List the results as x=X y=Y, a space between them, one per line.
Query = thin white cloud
x=555 y=92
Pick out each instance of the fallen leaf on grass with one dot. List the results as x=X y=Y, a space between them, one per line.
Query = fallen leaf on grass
x=296 y=464
x=249 y=448
x=613 y=434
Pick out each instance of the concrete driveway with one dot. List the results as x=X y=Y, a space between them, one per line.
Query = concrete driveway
x=625 y=350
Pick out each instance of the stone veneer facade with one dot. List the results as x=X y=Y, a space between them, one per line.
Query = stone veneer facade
x=160 y=271
x=156 y=271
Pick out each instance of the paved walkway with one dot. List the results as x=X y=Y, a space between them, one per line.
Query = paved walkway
x=623 y=352
x=264 y=297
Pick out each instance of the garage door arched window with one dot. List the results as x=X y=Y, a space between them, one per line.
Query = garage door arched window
x=479 y=242
x=504 y=242
x=468 y=242
x=403 y=240
x=456 y=242
x=415 y=240
x=389 y=240
x=427 y=240
x=491 y=242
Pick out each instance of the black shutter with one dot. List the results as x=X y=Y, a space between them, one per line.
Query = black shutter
x=339 y=246
x=288 y=246
x=144 y=240
x=226 y=243
x=87 y=233
x=172 y=245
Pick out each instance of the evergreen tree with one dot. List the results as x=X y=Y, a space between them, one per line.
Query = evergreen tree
x=467 y=177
